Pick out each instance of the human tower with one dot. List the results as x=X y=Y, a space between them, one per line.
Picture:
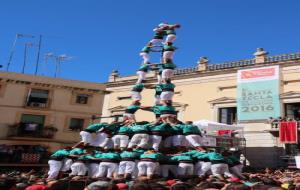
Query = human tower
x=130 y=149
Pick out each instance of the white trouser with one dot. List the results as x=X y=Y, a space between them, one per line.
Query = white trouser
x=93 y=169
x=146 y=168
x=54 y=168
x=126 y=167
x=140 y=140
x=237 y=171
x=145 y=57
x=179 y=140
x=100 y=138
x=166 y=95
x=154 y=41
x=78 y=168
x=86 y=137
x=155 y=141
x=107 y=143
x=201 y=168
x=194 y=140
x=166 y=169
x=185 y=169
x=220 y=169
x=167 y=73
x=120 y=141
x=141 y=76
x=156 y=99
x=136 y=95
x=66 y=166
x=108 y=168
x=128 y=116
x=168 y=55
x=170 y=38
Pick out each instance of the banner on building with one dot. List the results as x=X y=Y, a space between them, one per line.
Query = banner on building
x=258 y=93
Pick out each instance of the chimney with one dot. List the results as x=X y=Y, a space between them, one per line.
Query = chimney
x=202 y=63
x=113 y=76
x=260 y=55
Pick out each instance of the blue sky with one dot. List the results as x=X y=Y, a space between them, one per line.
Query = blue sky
x=102 y=35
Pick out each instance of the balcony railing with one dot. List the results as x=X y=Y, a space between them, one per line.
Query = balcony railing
x=38 y=104
x=31 y=131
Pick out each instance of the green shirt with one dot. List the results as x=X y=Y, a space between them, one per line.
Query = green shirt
x=214 y=156
x=169 y=48
x=110 y=156
x=159 y=35
x=146 y=49
x=158 y=89
x=166 y=109
x=190 y=130
x=232 y=161
x=197 y=154
x=95 y=127
x=124 y=130
x=129 y=154
x=182 y=158
x=98 y=155
x=132 y=109
x=177 y=129
x=153 y=156
x=85 y=158
x=60 y=154
x=111 y=128
x=144 y=67
x=170 y=31
x=77 y=151
x=140 y=128
x=168 y=87
x=138 y=87
x=162 y=128
x=168 y=65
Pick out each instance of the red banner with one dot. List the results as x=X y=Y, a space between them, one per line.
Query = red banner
x=288 y=132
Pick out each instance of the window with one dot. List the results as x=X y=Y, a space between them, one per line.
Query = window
x=76 y=124
x=82 y=99
x=37 y=98
x=227 y=115
x=31 y=124
x=292 y=111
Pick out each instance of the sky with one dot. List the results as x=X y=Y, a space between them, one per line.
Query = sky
x=102 y=35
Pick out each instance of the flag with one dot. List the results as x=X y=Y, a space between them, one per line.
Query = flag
x=288 y=132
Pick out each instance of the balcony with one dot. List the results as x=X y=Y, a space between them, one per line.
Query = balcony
x=31 y=130
x=38 y=104
x=37 y=98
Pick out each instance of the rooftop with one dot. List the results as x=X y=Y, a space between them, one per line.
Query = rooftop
x=203 y=67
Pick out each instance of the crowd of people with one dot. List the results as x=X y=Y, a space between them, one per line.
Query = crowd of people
x=281 y=179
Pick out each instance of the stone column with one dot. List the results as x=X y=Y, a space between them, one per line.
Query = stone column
x=113 y=76
x=260 y=56
x=202 y=63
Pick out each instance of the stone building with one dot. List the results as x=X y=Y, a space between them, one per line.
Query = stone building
x=36 y=110
x=209 y=91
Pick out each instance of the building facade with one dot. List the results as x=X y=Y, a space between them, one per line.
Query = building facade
x=49 y=112
x=209 y=91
